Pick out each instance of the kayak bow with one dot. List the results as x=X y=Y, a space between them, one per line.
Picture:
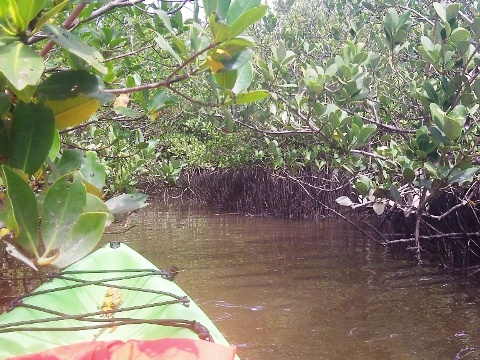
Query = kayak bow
x=112 y=299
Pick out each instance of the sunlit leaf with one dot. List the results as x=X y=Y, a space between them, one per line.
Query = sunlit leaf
x=13 y=251
x=72 y=111
x=249 y=17
x=344 y=201
x=95 y=204
x=251 y=96
x=75 y=45
x=121 y=100
x=49 y=15
x=238 y=7
x=28 y=9
x=244 y=78
x=21 y=65
x=126 y=202
x=33 y=130
x=19 y=212
x=82 y=239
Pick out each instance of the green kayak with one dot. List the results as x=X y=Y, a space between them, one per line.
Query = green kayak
x=112 y=296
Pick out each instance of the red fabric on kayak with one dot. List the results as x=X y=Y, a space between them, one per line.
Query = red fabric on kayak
x=162 y=349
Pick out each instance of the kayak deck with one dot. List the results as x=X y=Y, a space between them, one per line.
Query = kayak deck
x=112 y=294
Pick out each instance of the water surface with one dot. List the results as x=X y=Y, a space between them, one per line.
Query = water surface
x=283 y=289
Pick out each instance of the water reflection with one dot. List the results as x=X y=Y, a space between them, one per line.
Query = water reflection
x=302 y=290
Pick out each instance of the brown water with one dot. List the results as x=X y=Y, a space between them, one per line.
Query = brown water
x=301 y=290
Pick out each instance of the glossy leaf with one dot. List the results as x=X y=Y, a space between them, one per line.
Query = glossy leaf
x=63 y=204
x=68 y=84
x=238 y=7
x=251 y=96
x=82 y=239
x=76 y=46
x=49 y=15
x=19 y=212
x=72 y=111
x=28 y=9
x=33 y=130
x=21 y=65
x=248 y=18
x=244 y=78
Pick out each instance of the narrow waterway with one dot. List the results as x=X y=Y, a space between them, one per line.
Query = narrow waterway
x=301 y=290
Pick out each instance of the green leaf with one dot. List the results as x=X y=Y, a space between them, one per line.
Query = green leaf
x=440 y=10
x=63 y=204
x=248 y=18
x=408 y=175
x=431 y=168
x=52 y=154
x=160 y=40
x=28 y=9
x=95 y=204
x=21 y=65
x=19 y=212
x=238 y=8
x=221 y=31
x=438 y=135
x=5 y=103
x=391 y=23
x=452 y=128
x=33 y=130
x=45 y=18
x=226 y=79
x=76 y=46
x=82 y=239
x=238 y=60
x=251 y=96
x=157 y=101
x=431 y=93
x=131 y=113
x=68 y=84
x=459 y=176
x=458 y=34
x=126 y=203
x=71 y=160
x=93 y=171
x=244 y=78
x=4 y=143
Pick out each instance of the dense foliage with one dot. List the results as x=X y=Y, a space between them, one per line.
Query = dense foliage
x=67 y=72
x=387 y=91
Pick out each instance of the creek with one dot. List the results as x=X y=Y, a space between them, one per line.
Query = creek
x=283 y=289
